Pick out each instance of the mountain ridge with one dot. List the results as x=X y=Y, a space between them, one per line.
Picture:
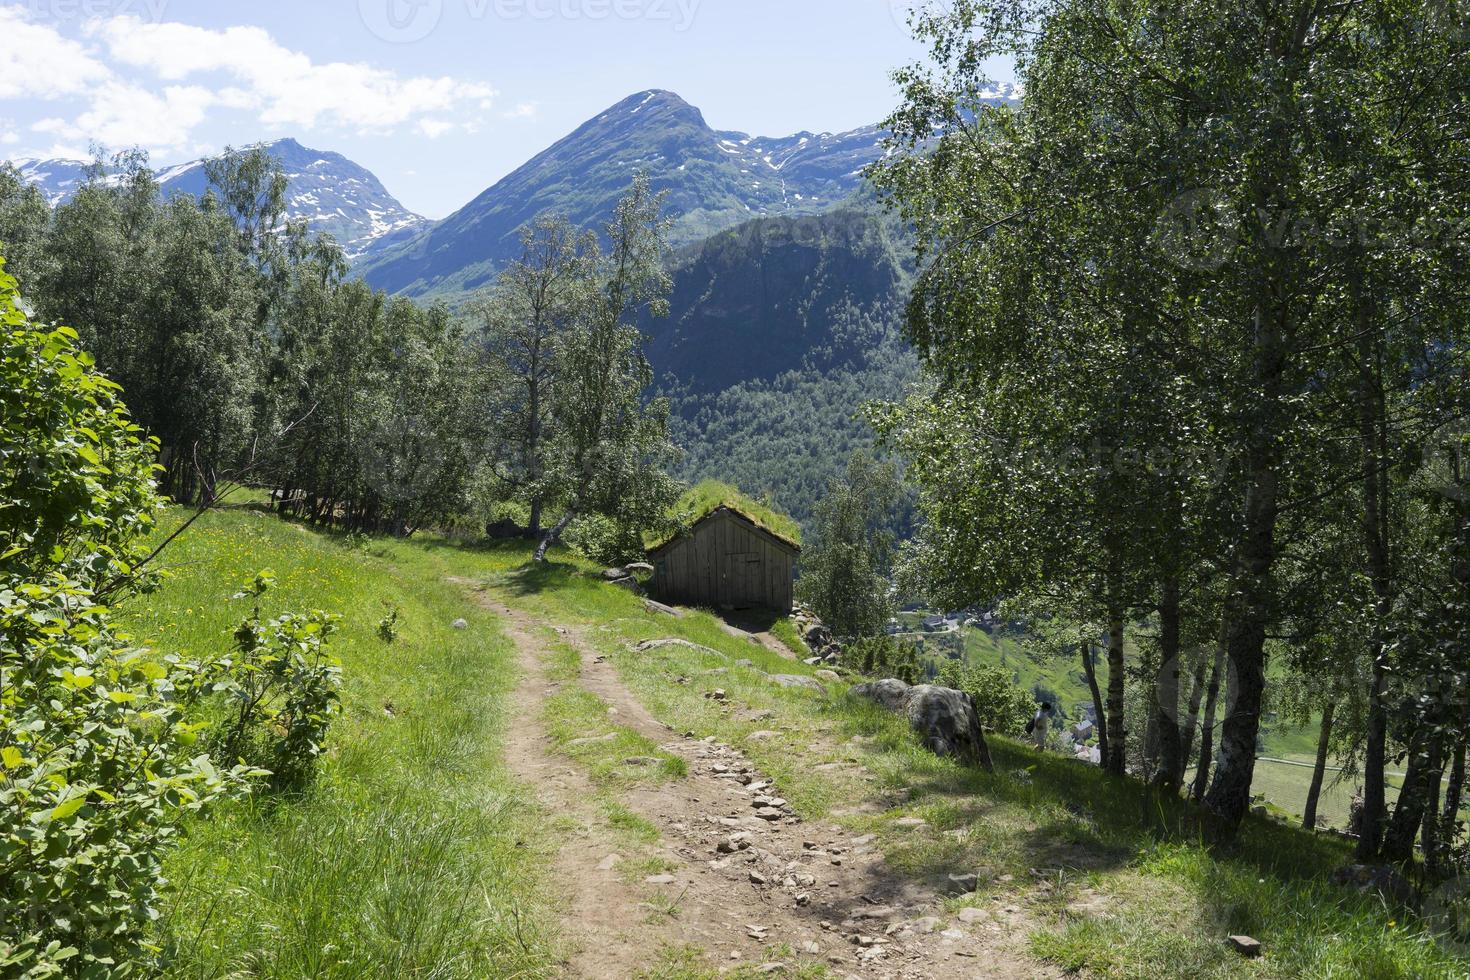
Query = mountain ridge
x=715 y=180
x=337 y=195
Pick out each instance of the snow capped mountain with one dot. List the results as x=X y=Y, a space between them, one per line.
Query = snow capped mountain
x=57 y=179
x=336 y=195
x=714 y=181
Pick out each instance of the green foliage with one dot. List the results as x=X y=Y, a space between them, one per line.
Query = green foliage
x=388 y=628
x=707 y=496
x=78 y=486
x=844 y=572
x=1002 y=706
x=101 y=760
x=610 y=449
x=884 y=657
x=282 y=692
x=99 y=755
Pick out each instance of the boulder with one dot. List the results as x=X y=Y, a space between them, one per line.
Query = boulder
x=649 y=646
x=817 y=637
x=944 y=718
x=505 y=530
x=659 y=609
x=615 y=574
x=797 y=680
x=639 y=568
x=461 y=624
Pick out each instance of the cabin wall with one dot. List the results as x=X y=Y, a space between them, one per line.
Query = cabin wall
x=723 y=563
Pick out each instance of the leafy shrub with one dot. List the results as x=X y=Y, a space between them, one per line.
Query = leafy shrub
x=282 y=689
x=388 y=628
x=98 y=741
x=1002 y=706
x=604 y=540
x=883 y=657
x=98 y=762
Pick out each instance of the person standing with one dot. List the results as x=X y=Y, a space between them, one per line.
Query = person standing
x=1040 y=724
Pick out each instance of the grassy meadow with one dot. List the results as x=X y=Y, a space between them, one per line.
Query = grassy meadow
x=414 y=855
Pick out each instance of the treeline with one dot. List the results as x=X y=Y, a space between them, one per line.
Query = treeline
x=1195 y=321
x=247 y=352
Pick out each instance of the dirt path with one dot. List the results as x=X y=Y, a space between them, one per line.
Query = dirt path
x=752 y=883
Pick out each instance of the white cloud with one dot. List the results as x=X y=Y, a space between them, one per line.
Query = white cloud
x=36 y=62
x=122 y=114
x=525 y=110
x=131 y=82
x=286 y=87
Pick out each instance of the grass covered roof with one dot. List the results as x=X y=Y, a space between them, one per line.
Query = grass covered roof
x=704 y=498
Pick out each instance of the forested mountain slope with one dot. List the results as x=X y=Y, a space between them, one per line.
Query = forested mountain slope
x=779 y=332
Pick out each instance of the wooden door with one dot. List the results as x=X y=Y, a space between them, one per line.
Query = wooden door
x=743 y=574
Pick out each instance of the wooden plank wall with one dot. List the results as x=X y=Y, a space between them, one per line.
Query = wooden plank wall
x=725 y=563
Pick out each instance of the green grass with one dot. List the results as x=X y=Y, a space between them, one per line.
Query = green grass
x=579 y=725
x=710 y=495
x=1123 y=885
x=413 y=854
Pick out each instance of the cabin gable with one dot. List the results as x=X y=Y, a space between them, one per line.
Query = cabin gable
x=726 y=562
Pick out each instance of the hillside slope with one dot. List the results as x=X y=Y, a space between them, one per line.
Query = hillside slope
x=779 y=332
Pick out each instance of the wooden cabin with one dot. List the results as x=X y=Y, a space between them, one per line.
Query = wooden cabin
x=726 y=561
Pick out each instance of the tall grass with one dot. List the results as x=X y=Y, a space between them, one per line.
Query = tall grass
x=412 y=855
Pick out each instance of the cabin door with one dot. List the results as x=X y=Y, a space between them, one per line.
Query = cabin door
x=744 y=575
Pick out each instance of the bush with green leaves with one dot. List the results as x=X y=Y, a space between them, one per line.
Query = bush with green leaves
x=99 y=754
x=884 y=657
x=99 y=761
x=282 y=691
x=1002 y=706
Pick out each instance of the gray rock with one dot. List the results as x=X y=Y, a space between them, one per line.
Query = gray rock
x=944 y=718
x=615 y=574
x=461 y=624
x=830 y=676
x=1245 y=946
x=797 y=680
x=963 y=884
x=818 y=636
x=1369 y=879
x=659 y=609
x=639 y=568
x=648 y=646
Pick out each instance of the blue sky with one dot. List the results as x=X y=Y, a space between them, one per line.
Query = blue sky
x=439 y=98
